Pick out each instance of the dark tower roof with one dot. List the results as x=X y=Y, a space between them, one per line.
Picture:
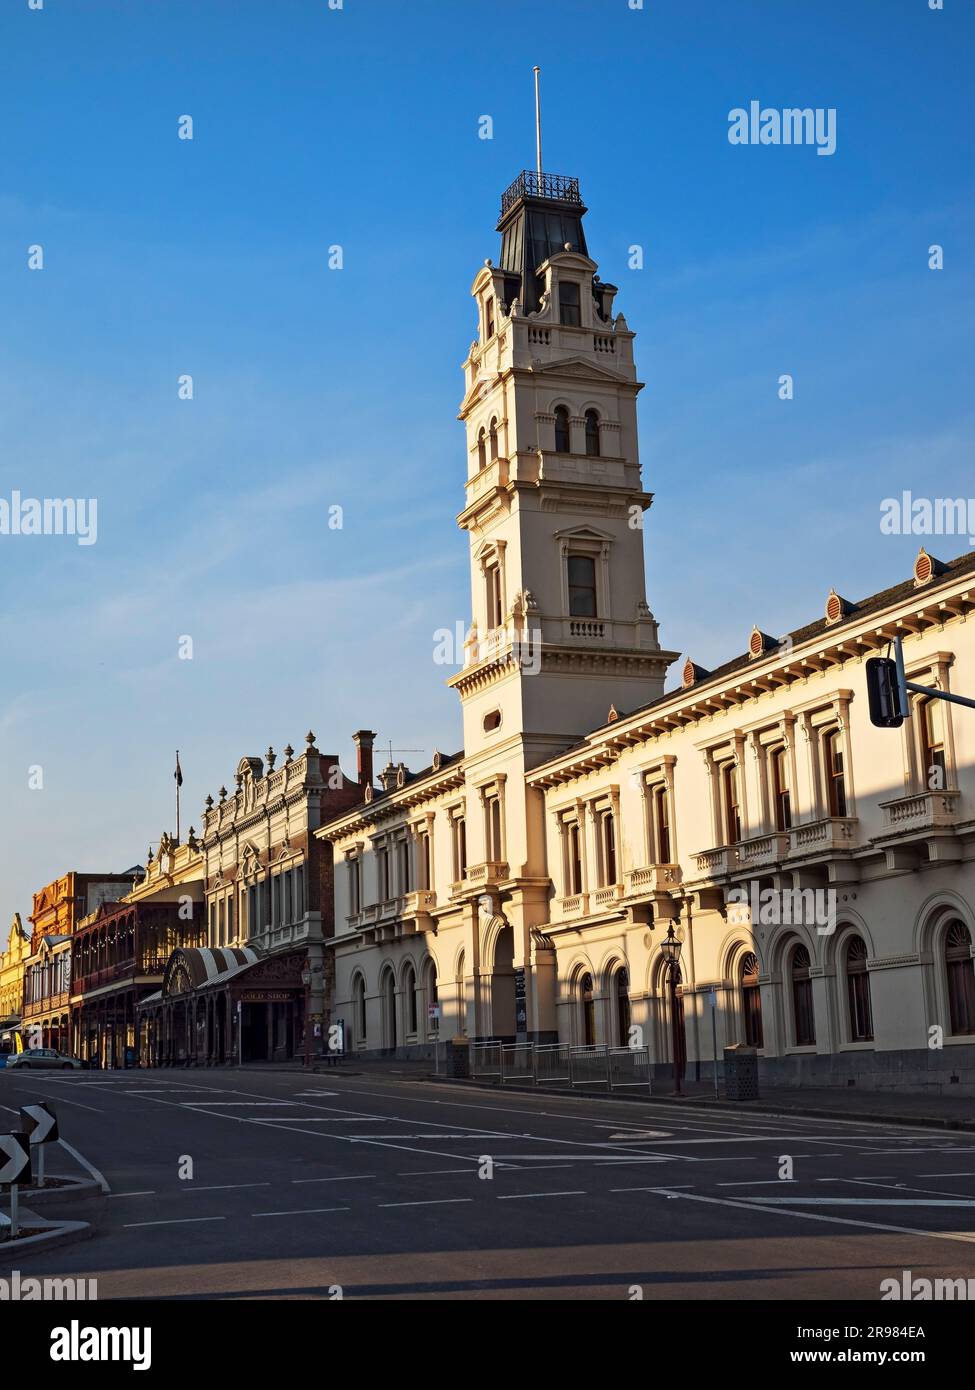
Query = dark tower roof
x=540 y=213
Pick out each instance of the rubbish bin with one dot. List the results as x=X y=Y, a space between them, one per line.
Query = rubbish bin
x=458 y=1058
x=740 y=1072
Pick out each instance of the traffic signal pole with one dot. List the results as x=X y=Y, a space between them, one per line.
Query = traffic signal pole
x=904 y=685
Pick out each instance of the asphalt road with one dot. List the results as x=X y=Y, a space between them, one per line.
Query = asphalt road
x=386 y=1187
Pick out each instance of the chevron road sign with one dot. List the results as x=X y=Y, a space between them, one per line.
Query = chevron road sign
x=40 y=1122
x=14 y=1159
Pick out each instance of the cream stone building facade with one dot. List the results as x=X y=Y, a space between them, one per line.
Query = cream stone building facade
x=817 y=870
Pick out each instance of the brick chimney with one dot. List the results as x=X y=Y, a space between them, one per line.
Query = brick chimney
x=363 y=741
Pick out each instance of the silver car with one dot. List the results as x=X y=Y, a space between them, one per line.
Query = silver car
x=44 y=1057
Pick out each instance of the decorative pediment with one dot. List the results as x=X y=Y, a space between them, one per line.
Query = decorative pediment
x=584 y=533
x=576 y=367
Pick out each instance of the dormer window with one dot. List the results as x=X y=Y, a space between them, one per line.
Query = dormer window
x=592 y=434
x=489 y=319
x=570 y=312
x=562 y=436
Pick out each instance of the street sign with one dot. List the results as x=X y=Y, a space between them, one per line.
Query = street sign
x=14 y=1159
x=40 y=1122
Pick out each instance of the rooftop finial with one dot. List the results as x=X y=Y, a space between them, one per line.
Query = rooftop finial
x=538 y=124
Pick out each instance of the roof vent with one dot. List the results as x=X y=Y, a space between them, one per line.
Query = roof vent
x=692 y=673
x=613 y=715
x=760 y=642
x=926 y=567
x=837 y=607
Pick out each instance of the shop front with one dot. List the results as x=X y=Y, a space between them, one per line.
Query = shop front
x=225 y=1006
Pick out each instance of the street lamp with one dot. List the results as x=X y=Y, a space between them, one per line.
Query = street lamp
x=306 y=981
x=670 y=946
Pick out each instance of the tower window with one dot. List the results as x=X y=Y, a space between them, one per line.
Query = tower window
x=582 y=586
x=563 y=443
x=569 y=310
x=492 y=577
x=494 y=438
x=481 y=448
x=489 y=318
x=592 y=434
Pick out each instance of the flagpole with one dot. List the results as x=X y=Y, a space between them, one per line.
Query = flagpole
x=177 y=796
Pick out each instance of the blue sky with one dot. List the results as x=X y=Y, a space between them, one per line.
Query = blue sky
x=315 y=388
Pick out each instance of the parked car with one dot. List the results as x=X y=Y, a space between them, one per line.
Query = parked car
x=44 y=1057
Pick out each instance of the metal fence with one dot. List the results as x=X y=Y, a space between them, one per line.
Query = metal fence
x=561 y=1064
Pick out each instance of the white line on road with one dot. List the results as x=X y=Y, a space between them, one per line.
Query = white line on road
x=100 y=1178
x=433 y=1202
x=182 y=1221
x=866 y=1201
x=304 y=1211
x=358 y=1177
x=520 y=1196
x=223 y=1186
x=672 y=1188
x=149 y=1192
x=763 y=1182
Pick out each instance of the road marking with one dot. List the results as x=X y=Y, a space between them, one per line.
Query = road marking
x=238 y=1103
x=673 y=1188
x=946 y=1175
x=434 y=1202
x=303 y=1211
x=763 y=1182
x=751 y=1205
x=521 y=1196
x=183 y=1221
x=356 y=1177
x=866 y=1201
x=223 y=1186
x=100 y=1178
x=149 y=1192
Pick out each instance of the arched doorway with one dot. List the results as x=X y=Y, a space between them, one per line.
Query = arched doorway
x=503 y=986
x=587 y=1005
x=751 y=1001
x=389 y=1010
x=621 y=990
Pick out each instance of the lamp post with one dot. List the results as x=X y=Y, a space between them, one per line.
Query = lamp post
x=670 y=947
x=306 y=981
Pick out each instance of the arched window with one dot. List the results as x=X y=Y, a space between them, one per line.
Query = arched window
x=563 y=443
x=481 y=449
x=835 y=773
x=588 y=1010
x=960 y=973
x=858 y=991
x=623 y=1007
x=409 y=988
x=751 y=1001
x=493 y=432
x=359 y=1008
x=933 y=767
x=592 y=433
x=803 y=1018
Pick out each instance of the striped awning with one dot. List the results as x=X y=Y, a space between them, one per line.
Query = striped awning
x=191 y=968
